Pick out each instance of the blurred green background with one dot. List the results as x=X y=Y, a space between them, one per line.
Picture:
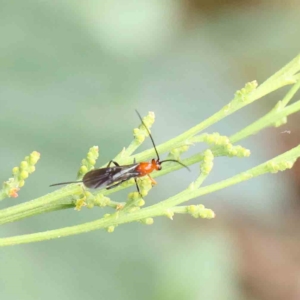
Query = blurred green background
x=71 y=75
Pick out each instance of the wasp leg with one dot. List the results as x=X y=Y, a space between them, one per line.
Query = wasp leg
x=116 y=184
x=136 y=184
x=137 y=187
x=112 y=162
x=153 y=182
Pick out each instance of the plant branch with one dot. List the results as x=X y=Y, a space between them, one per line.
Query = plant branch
x=219 y=146
x=279 y=163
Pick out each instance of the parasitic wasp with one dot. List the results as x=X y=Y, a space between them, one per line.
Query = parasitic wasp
x=112 y=176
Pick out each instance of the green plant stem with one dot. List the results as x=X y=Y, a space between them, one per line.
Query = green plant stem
x=67 y=191
x=290 y=155
x=291 y=93
x=273 y=83
x=40 y=205
x=285 y=76
x=266 y=121
x=45 y=209
x=17 y=212
x=35 y=211
x=154 y=210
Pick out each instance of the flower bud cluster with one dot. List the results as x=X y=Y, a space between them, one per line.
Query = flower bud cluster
x=223 y=143
x=176 y=152
x=207 y=163
x=88 y=163
x=274 y=167
x=141 y=133
x=199 y=211
x=242 y=94
x=26 y=167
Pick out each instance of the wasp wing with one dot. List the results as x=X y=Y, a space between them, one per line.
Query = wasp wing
x=97 y=178
x=105 y=176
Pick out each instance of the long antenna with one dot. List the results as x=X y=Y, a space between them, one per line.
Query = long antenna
x=174 y=160
x=68 y=182
x=149 y=134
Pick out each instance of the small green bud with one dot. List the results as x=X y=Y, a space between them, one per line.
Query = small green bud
x=31 y=169
x=34 y=157
x=241 y=152
x=242 y=94
x=133 y=196
x=201 y=206
x=90 y=204
x=281 y=166
x=136 y=131
x=208 y=154
x=169 y=214
x=207 y=168
x=91 y=161
x=272 y=167
x=88 y=194
x=148 y=221
x=246 y=153
x=23 y=164
x=90 y=155
x=141 y=202
x=210 y=139
x=250 y=86
x=140 y=139
x=13 y=185
x=144 y=192
x=238 y=93
x=209 y=214
x=202 y=214
x=15 y=170
x=145 y=185
x=199 y=211
x=289 y=164
x=23 y=175
x=83 y=169
x=110 y=229
x=233 y=152
x=207 y=163
x=148 y=120
x=229 y=148
x=138 y=135
x=88 y=163
x=191 y=208
x=80 y=203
